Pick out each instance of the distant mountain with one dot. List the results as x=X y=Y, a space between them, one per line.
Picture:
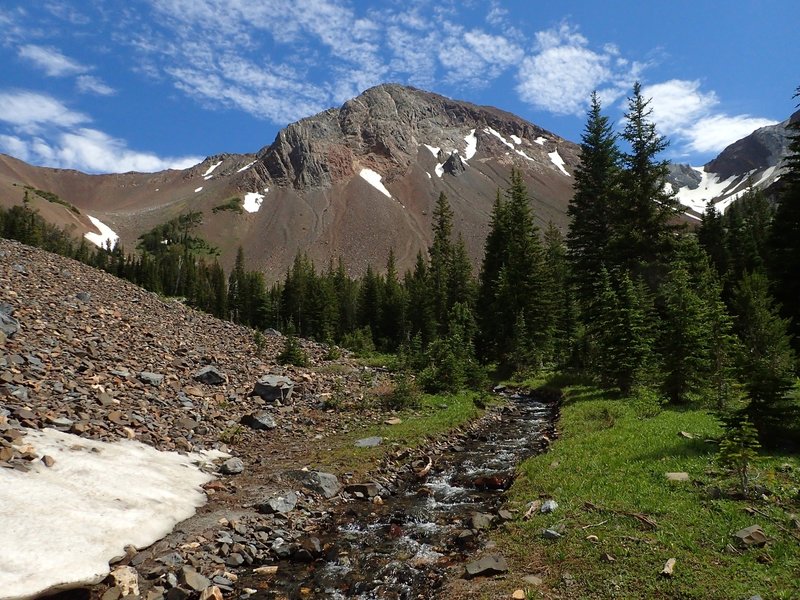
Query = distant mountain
x=755 y=160
x=351 y=182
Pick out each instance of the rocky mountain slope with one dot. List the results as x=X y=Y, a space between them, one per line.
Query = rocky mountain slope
x=92 y=356
x=756 y=160
x=352 y=182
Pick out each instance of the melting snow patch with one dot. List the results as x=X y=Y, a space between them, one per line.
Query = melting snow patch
x=540 y=140
x=428 y=174
x=439 y=170
x=558 y=161
x=709 y=187
x=498 y=136
x=472 y=145
x=434 y=150
x=523 y=154
x=61 y=525
x=199 y=189
x=208 y=173
x=374 y=179
x=101 y=239
x=517 y=139
x=247 y=166
x=252 y=201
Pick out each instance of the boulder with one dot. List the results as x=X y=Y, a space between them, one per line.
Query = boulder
x=325 y=484
x=259 y=420
x=155 y=379
x=493 y=564
x=454 y=165
x=282 y=502
x=8 y=324
x=232 y=466
x=363 y=490
x=193 y=580
x=210 y=376
x=481 y=520
x=272 y=388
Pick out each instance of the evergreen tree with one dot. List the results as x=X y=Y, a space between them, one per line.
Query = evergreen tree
x=591 y=209
x=644 y=220
x=421 y=319
x=623 y=331
x=236 y=289
x=767 y=360
x=712 y=237
x=369 y=301
x=785 y=234
x=685 y=353
x=747 y=224
x=392 y=312
x=441 y=256
x=489 y=319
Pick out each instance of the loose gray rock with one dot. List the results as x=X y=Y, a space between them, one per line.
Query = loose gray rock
x=210 y=376
x=751 y=536
x=677 y=476
x=232 y=466
x=281 y=503
x=8 y=324
x=325 y=484
x=194 y=580
x=260 y=420
x=481 y=521
x=551 y=534
x=364 y=490
x=493 y=564
x=369 y=442
x=272 y=388
x=83 y=296
x=154 y=379
x=549 y=506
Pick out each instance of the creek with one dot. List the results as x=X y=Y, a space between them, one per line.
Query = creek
x=427 y=528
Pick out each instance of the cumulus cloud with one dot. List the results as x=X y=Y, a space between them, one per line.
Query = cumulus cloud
x=89 y=84
x=45 y=131
x=684 y=112
x=29 y=110
x=561 y=73
x=50 y=60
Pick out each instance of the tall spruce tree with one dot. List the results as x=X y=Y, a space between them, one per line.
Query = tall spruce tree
x=644 y=218
x=713 y=239
x=596 y=188
x=767 y=360
x=441 y=256
x=785 y=236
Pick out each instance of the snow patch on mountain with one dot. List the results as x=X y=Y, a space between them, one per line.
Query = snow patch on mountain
x=374 y=179
x=540 y=140
x=497 y=134
x=472 y=145
x=555 y=157
x=434 y=150
x=439 y=169
x=517 y=140
x=253 y=200
x=200 y=189
x=247 y=166
x=105 y=237
x=207 y=174
x=107 y=495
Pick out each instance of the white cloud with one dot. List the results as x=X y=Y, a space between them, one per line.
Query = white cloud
x=50 y=60
x=563 y=71
x=714 y=133
x=90 y=150
x=683 y=111
x=89 y=84
x=29 y=110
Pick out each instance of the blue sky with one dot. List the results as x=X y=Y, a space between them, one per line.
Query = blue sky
x=118 y=85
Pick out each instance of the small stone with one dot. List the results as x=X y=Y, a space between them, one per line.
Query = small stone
x=211 y=593
x=533 y=580
x=272 y=388
x=154 y=379
x=481 y=521
x=518 y=595
x=234 y=560
x=393 y=421
x=194 y=580
x=210 y=376
x=551 y=534
x=751 y=536
x=177 y=593
x=232 y=466
x=259 y=421
x=83 y=296
x=48 y=460
x=281 y=503
x=363 y=490
x=493 y=564
x=126 y=579
x=677 y=476
x=548 y=506
x=325 y=484
x=113 y=593
x=669 y=568
x=369 y=442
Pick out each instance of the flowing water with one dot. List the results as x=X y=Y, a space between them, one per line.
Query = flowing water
x=403 y=548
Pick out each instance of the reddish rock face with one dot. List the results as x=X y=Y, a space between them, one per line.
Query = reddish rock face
x=317 y=198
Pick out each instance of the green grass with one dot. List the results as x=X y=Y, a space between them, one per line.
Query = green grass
x=231 y=204
x=610 y=455
x=53 y=198
x=436 y=414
